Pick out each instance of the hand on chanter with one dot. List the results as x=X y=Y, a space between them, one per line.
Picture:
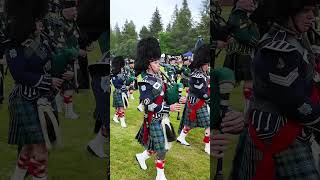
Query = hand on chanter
x=233 y=122
x=68 y=75
x=69 y=13
x=175 y=107
x=3 y=61
x=221 y=44
x=182 y=100
x=82 y=52
x=56 y=82
x=219 y=144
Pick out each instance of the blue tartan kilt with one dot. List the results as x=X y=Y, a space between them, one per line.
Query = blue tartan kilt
x=202 y=118
x=296 y=163
x=117 y=99
x=156 y=140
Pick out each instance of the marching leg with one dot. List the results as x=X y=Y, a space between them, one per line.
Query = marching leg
x=96 y=146
x=160 y=170
x=38 y=168
x=21 y=167
x=206 y=141
x=122 y=119
x=142 y=157
x=59 y=101
x=182 y=137
x=116 y=116
x=69 y=110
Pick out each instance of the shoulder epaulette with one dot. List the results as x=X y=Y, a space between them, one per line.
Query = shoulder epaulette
x=281 y=46
x=197 y=75
x=149 y=80
x=27 y=43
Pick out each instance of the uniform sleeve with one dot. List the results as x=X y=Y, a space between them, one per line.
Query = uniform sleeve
x=148 y=100
x=243 y=31
x=287 y=87
x=117 y=82
x=20 y=72
x=200 y=88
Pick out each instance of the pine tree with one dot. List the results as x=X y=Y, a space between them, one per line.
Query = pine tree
x=168 y=29
x=203 y=28
x=183 y=31
x=155 y=25
x=144 y=32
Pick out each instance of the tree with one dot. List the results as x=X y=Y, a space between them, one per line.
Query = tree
x=174 y=16
x=155 y=25
x=144 y=32
x=203 y=28
x=126 y=46
x=183 y=33
x=129 y=31
x=168 y=29
x=165 y=40
x=115 y=39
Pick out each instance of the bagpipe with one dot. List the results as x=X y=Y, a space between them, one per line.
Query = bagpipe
x=219 y=28
x=173 y=91
x=60 y=58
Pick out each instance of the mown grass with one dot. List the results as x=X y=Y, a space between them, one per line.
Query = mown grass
x=71 y=161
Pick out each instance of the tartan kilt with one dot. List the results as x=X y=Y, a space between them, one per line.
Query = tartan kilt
x=117 y=99
x=240 y=65
x=24 y=125
x=202 y=119
x=295 y=163
x=68 y=85
x=156 y=140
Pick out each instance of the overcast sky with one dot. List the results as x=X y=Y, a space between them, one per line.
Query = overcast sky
x=140 y=11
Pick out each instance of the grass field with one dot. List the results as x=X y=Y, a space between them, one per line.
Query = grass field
x=71 y=161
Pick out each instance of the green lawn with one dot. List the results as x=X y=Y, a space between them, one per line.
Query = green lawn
x=71 y=161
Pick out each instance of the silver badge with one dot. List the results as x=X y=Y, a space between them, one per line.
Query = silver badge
x=305 y=109
x=146 y=101
x=143 y=88
x=157 y=85
x=281 y=64
x=13 y=53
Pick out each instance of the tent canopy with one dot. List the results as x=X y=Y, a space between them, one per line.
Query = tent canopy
x=188 y=54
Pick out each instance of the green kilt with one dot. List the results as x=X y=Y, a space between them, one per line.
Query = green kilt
x=24 y=127
x=156 y=140
x=117 y=99
x=202 y=119
x=296 y=163
x=240 y=65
